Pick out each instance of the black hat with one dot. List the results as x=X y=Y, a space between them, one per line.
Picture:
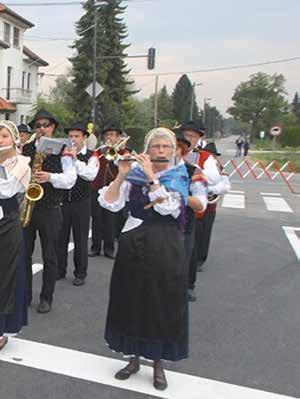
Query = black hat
x=43 y=114
x=195 y=127
x=211 y=147
x=113 y=128
x=77 y=126
x=180 y=136
x=24 y=128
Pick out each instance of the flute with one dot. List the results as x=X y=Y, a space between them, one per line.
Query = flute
x=159 y=160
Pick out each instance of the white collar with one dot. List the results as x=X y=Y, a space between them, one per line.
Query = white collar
x=83 y=150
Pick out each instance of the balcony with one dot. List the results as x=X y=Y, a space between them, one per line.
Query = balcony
x=16 y=96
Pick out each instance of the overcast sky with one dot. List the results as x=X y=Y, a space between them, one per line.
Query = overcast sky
x=188 y=35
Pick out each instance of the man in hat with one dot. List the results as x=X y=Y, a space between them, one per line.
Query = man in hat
x=58 y=173
x=205 y=221
x=24 y=132
x=103 y=221
x=76 y=208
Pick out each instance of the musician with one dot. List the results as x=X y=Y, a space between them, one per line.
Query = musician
x=14 y=180
x=148 y=312
x=104 y=221
x=58 y=173
x=76 y=208
x=24 y=132
x=194 y=133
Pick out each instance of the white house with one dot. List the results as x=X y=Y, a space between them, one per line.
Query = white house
x=19 y=68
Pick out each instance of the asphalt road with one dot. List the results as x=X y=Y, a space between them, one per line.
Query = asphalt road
x=244 y=327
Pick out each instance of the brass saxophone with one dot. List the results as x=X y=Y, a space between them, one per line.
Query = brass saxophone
x=34 y=191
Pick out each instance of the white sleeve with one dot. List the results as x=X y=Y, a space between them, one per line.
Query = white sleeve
x=211 y=171
x=199 y=191
x=171 y=204
x=222 y=187
x=10 y=187
x=87 y=171
x=119 y=204
x=67 y=178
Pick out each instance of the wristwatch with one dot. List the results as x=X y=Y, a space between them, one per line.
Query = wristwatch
x=153 y=182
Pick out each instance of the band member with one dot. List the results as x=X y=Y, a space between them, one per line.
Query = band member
x=194 y=133
x=24 y=132
x=14 y=180
x=58 y=173
x=76 y=208
x=104 y=221
x=148 y=312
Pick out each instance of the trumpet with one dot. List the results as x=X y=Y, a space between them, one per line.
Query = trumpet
x=111 y=152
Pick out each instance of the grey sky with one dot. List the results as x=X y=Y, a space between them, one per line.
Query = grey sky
x=188 y=35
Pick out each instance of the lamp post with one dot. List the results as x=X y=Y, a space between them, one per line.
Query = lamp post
x=193 y=98
x=204 y=109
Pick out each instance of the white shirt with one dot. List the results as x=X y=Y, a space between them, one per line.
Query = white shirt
x=87 y=171
x=11 y=186
x=67 y=178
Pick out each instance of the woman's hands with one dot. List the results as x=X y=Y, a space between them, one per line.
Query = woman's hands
x=145 y=162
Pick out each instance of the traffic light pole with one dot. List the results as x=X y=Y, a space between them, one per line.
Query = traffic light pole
x=156 y=102
x=94 y=64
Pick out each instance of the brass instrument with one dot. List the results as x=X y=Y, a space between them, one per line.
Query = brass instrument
x=111 y=152
x=34 y=192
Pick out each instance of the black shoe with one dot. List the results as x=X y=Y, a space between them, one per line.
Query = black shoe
x=159 y=379
x=78 y=281
x=43 y=307
x=126 y=372
x=93 y=254
x=191 y=295
x=109 y=255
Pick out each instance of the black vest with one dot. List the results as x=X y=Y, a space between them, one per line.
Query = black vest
x=81 y=190
x=52 y=163
x=189 y=213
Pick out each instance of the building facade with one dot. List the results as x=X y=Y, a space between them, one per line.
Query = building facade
x=19 y=68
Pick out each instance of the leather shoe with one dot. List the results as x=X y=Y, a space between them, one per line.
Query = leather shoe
x=159 y=379
x=191 y=295
x=126 y=372
x=43 y=307
x=78 y=281
x=3 y=342
x=93 y=254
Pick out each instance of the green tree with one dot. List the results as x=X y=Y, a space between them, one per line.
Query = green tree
x=164 y=105
x=260 y=101
x=296 y=106
x=182 y=97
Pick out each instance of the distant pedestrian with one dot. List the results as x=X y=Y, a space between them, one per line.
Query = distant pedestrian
x=246 y=148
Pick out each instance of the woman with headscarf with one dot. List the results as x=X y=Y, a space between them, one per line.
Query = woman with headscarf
x=14 y=180
x=148 y=313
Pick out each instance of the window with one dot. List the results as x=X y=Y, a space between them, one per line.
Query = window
x=23 y=80
x=28 y=81
x=16 y=37
x=6 y=32
x=9 y=73
x=22 y=119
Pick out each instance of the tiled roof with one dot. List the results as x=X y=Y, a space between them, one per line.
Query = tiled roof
x=30 y=54
x=6 y=106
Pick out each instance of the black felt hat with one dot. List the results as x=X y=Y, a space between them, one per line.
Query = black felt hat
x=43 y=114
x=24 y=128
x=180 y=136
x=78 y=126
x=111 y=128
x=194 y=127
x=211 y=147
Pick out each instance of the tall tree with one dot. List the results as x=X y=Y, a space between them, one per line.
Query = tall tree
x=165 y=105
x=296 y=105
x=260 y=101
x=112 y=74
x=182 y=97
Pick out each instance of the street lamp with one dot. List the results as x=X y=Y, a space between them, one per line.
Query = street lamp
x=204 y=109
x=193 y=98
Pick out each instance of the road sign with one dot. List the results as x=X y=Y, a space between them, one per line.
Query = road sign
x=276 y=131
x=98 y=89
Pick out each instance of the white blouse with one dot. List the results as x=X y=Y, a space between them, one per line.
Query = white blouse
x=11 y=186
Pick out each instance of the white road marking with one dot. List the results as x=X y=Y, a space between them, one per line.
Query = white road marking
x=293 y=238
x=101 y=370
x=233 y=201
x=277 y=204
x=274 y=194
x=37 y=267
x=236 y=192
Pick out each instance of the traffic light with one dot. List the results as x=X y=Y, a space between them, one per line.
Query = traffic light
x=151 y=58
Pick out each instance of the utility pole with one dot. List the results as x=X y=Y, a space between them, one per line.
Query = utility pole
x=192 y=101
x=94 y=64
x=156 y=101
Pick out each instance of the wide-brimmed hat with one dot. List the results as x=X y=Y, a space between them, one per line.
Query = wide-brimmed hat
x=113 y=128
x=77 y=126
x=43 y=114
x=180 y=136
x=211 y=147
x=196 y=127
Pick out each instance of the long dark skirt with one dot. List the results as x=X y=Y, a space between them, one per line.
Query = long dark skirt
x=148 y=312
x=12 y=324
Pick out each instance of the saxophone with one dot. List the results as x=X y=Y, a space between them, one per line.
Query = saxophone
x=34 y=191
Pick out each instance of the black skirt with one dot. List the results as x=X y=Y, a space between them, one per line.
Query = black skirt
x=148 y=311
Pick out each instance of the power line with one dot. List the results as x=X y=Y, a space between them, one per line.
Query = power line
x=62 y=3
